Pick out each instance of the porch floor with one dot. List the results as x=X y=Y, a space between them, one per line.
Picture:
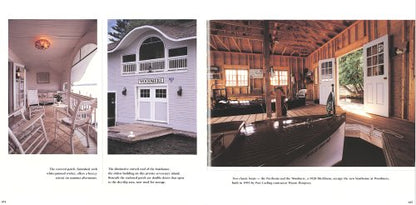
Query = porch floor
x=61 y=145
x=137 y=132
x=398 y=136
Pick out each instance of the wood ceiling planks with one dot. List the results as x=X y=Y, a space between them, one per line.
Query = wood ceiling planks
x=290 y=37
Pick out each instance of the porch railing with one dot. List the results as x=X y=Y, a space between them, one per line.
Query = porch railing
x=178 y=63
x=155 y=65
x=73 y=100
x=129 y=68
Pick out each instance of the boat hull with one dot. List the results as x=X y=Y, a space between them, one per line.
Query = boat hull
x=296 y=141
x=328 y=153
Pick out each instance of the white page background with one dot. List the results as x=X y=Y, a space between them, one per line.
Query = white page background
x=23 y=179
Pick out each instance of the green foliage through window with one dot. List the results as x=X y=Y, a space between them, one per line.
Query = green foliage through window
x=351 y=72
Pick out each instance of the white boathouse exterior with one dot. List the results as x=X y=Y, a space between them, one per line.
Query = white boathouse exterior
x=152 y=77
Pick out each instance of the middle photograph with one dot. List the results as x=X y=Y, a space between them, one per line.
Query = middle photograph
x=152 y=86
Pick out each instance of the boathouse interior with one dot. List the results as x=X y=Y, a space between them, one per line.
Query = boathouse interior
x=250 y=59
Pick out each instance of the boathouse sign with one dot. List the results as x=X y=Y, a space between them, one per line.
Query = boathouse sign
x=152 y=80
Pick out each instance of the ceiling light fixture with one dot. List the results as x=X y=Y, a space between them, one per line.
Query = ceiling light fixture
x=42 y=44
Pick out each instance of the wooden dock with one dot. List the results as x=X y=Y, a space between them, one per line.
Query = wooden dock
x=398 y=135
x=250 y=118
x=137 y=132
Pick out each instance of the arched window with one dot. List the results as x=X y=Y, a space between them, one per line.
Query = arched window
x=152 y=48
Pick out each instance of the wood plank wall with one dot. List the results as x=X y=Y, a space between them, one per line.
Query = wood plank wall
x=402 y=67
x=237 y=60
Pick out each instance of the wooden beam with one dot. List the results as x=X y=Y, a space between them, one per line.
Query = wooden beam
x=283 y=52
x=249 y=44
x=411 y=76
x=274 y=46
x=312 y=27
x=251 y=54
x=214 y=42
x=211 y=43
x=266 y=69
x=403 y=100
x=235 y=43
x=222 y=43
x=340 y=35
x=237 y=23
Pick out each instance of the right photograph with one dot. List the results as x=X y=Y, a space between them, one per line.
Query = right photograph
x=311 y=93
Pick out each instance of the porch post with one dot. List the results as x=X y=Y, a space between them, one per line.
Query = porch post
x=266 y=68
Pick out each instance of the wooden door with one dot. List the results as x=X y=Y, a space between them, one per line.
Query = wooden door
x=376 y=77
x=326 y=79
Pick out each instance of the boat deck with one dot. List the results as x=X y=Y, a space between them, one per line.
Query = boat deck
x=398 y=137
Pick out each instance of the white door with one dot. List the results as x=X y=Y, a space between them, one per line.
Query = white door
x=152 y=104
x=376 y=77
x=326 y=79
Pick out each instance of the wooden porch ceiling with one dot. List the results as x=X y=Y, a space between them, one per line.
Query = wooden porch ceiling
x=289 y=37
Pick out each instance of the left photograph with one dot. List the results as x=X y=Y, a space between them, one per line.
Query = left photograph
x=52 y=86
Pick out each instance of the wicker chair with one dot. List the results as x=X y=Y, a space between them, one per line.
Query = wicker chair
x=26 y=136
x=75 y=118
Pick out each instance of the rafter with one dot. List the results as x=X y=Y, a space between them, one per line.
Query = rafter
x=222 y=43
x=211 y=43
x=236 y=23
x=291 y=54
x=254 y=54
x=236 y=34
x=296 y=37
x=214 y=42
x=235 y=43
x=249 y=44
x=284 y=49
x=274 y=47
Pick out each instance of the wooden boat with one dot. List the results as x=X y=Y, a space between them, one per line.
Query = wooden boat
x=223 y=106
x=293 y=141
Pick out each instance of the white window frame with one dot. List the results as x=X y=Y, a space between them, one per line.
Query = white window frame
x=276 y=78
x=237 y=75
x=326 y=76
x=176 y=57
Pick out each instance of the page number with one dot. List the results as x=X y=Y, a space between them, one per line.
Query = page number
x=410 y=202
x=3 y=201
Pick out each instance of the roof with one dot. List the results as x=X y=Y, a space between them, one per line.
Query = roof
x=185 y=31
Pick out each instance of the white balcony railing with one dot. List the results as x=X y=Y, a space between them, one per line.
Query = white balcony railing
x=155 y=65
x=178 y=63
x=129 y=68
